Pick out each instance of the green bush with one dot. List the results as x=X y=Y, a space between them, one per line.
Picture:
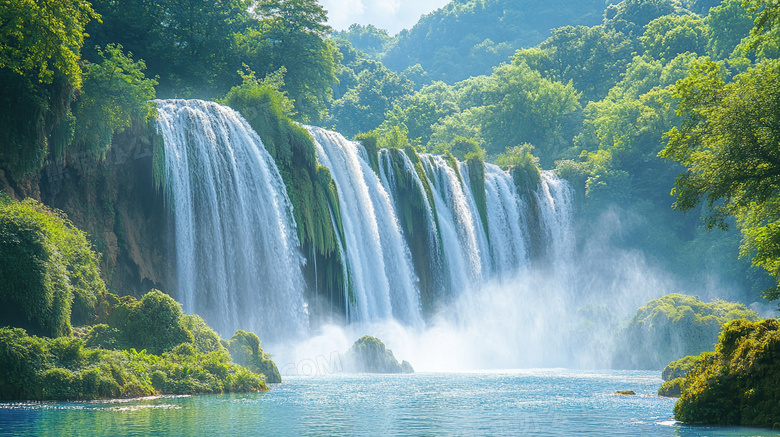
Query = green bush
x=739 y=384
x=674 y=374
x=245 y=349
x=51 y=274
x=153 y=323
x=63 y=368
x=679 y=368
x=205 y=339
x=671 y=327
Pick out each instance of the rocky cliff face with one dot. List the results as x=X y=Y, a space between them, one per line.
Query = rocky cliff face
x=114 y=200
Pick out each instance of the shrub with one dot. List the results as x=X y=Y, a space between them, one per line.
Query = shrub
x=245 y=350
x=50 y=272
x=739 y=384
x=153 y=323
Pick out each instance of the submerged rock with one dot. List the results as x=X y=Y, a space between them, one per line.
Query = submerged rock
x=625 y=392
x=369 y=355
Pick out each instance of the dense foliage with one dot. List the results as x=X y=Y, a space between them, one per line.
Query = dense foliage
x=466 y=38
x=738 y=384
x=50 y=271
x=672 y=327
x=40 y=48
x=64 y=368
x=52 y=282
x=674 y=374
x=728 y=143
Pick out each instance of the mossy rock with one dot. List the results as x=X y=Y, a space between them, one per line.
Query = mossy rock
x=245 y=349
x=369 y=355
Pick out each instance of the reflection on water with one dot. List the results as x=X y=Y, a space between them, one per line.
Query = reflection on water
x=500 y=403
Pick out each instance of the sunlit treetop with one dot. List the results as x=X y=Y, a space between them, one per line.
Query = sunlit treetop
x=37 y=37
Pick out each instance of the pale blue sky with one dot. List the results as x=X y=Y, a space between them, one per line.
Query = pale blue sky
x=393 y=15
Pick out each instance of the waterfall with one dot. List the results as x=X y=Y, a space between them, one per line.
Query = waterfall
x=414 y=234
x=380 y=268
x=555 y=204
x=458 y=222
x=507 y=221
x=237 y=252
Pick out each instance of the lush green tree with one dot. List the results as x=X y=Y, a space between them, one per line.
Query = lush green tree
x=40 y=38
x=40 y=48
x=464 y=124
x=468 y=38
x=631 y=16
x=369 y=39
x=593 y=58
x=188 y=44
x=728 y=144
x=363 y=107
x=727 y=24
x=765 y=35
x=115 y=95
x=417 y=113
x=292 y=35
x=522 y=106
x=670 y=35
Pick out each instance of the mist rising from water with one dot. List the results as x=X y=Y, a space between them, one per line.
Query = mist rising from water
x=541 y=317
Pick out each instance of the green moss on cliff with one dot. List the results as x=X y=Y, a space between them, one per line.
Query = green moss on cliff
x=310 y=187
x=476 y=166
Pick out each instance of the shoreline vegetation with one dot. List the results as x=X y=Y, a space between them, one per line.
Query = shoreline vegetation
x=737 y=384
x=120 y=347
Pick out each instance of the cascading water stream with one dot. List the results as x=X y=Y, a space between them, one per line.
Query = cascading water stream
x=237 y=252
x=507 y=221
x=457 y=223
x=380 y=268
x=238 y=260
x=554 y=197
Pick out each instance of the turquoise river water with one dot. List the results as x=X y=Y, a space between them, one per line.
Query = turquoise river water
x=497 y=403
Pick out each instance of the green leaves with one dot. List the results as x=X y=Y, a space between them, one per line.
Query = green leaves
x=728 y=142
x=115 y=94
x=739 y=384
x=37 y=37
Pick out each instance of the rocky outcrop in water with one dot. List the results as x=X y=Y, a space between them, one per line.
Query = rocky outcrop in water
x=369 y=355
